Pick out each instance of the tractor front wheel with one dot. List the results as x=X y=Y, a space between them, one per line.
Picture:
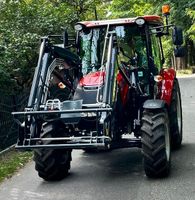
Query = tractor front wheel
x=156 y=143
x=52 y=164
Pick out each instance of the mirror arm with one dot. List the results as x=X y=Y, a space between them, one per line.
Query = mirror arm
x=161 y=49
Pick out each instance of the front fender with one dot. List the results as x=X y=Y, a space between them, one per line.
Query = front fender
x=166 y=86
x=152 y=104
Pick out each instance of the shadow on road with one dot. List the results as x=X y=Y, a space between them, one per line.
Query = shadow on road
x=183 y=161
x=121 y=164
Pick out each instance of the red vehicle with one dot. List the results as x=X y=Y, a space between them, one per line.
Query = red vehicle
x=112 y=93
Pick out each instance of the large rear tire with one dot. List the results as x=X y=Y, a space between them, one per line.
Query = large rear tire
x=175 y=113
x=156 y=143
x=52 y=164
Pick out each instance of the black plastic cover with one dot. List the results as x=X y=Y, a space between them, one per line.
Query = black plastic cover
x=154 y=104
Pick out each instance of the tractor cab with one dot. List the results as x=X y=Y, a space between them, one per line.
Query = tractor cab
x=133 y=47
x=131 y=38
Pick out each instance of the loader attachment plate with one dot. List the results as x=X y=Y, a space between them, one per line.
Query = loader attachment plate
x=96 y=138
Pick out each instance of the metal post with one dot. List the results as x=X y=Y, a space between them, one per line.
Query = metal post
x=108 y=71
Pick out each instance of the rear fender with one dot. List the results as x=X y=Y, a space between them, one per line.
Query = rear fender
x=166 y=85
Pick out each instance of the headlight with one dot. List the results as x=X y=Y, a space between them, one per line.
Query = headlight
x=78 y=27
x=140 y=21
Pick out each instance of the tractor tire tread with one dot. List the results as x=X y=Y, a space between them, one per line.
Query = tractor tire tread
x=176 y=137
x=52 y=164
x=153 y=144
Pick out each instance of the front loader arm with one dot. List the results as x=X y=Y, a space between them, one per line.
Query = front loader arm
x=39 y=76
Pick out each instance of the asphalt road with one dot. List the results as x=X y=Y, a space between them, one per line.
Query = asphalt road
x=116 y=175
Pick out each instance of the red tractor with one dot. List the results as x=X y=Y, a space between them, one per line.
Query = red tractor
x=105 y=89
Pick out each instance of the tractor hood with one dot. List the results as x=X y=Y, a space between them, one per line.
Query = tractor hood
x=93 y=79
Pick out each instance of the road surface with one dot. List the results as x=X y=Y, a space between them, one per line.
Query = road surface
x=116 y=175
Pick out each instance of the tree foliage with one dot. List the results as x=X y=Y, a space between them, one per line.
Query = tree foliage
x=191 y=30
x=23 y=22
x=129 y=8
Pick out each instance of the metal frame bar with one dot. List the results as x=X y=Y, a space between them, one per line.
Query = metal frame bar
x=61 y=146
x=71 y=142
x=73 y=138
x=62 y=111
x=124 y=143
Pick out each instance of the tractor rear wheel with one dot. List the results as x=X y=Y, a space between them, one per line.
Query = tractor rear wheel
x=156 y=143
x=175 y=113
x=52 y=164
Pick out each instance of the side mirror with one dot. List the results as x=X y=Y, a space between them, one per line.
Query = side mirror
x=65 y=38
x=177 y=36
x=179 y=51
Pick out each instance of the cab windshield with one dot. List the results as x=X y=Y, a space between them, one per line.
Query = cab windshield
x=130 y=44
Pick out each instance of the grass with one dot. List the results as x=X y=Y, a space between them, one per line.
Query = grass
x=184 y=72
x=11 y=162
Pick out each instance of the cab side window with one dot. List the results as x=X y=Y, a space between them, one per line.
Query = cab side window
x=156 y=51
x=132 y=46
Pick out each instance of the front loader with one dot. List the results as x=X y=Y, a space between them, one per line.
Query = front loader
x=106 y=89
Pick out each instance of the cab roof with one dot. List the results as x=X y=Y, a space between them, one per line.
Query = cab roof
x=153 y=19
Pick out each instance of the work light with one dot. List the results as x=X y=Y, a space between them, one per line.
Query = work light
x=140 y=21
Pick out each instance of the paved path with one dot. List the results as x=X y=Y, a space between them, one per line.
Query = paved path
x=117 y=175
